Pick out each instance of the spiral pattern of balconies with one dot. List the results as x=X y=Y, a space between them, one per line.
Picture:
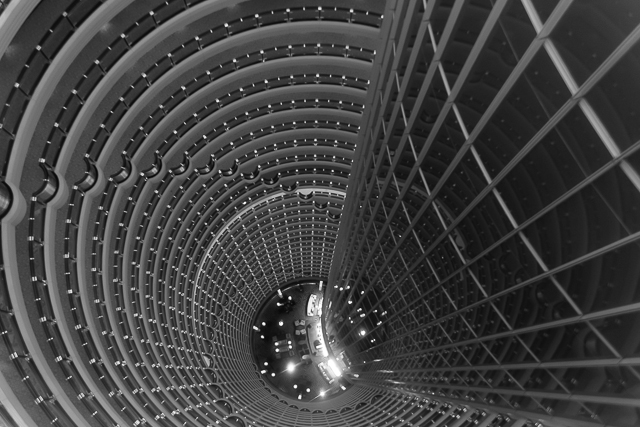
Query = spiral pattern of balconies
x=166 y=165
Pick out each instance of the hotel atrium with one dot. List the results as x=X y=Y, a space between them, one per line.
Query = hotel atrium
x=417 y=212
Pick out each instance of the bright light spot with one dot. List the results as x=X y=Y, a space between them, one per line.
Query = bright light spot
x=291 y=367
x=273 y=374
x=322 y=393
x=281 y=323
x=299 y=397
x=262 y=336
x=266 y=363
x=295 y=386
x=335 y=368
x=362 y=332
x=264 y=324
x=308 y=390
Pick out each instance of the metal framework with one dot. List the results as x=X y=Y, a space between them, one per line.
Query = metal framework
x=464 y=175
x=488 y=238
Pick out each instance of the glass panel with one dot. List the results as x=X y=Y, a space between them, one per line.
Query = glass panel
x=622 y=332
x=613 y=97
x=581 y=224
x=471 y=21
x=575 y=341
x=463 y=185
x=590 y=30
x=544 y=8
x=622 y=198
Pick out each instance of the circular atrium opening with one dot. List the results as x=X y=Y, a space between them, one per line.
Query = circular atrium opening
x=290 y=347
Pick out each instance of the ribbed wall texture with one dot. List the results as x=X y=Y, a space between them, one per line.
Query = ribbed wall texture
x=463 y=174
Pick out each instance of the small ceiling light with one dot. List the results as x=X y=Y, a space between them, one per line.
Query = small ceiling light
x=335 y=368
